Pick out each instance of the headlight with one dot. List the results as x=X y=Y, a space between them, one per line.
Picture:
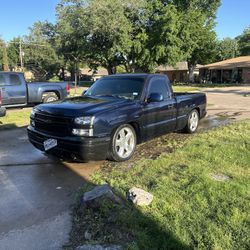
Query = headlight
x=82 y=132
x=87 y=120
x=33 y=112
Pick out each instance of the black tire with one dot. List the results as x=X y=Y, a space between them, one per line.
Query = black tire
x=50 y=97
x=192 y=125
x=113 y=148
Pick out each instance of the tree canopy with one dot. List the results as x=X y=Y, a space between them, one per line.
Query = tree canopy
x=244 y=42
x=226 y=49
x=136 y=36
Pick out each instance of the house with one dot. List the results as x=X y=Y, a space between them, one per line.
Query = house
x=235 y=70
x=179 y=72
x=95 y=75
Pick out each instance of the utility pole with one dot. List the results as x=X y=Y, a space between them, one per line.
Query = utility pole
x=21 y=54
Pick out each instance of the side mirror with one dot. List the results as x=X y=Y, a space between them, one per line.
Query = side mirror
x=155 y=97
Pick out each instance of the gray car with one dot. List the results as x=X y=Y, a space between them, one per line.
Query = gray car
x=17 y=92
x=2 y=109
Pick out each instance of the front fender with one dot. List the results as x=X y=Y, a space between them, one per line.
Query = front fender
x=107 y=122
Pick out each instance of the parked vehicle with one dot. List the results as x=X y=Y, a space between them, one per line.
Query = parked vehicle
x=2 y=109
x=113 y=116
x=17 y=92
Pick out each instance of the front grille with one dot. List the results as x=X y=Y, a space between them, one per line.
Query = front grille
x=53 y=125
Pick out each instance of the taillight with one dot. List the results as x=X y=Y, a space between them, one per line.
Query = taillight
x=68 y=88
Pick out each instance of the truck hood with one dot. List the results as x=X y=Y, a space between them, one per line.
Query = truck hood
x=83 y=106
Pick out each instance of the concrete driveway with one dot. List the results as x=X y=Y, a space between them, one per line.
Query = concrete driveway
x=231 y=102
x=36 y=193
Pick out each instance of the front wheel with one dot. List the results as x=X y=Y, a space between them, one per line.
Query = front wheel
x=123 y=143
x=193 y=122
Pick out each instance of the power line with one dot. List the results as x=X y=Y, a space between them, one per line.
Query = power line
x=29 y=43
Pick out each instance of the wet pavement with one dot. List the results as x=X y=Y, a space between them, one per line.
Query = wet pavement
x=36 y=194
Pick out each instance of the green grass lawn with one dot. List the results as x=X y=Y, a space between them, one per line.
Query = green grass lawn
x=190 y=210
x=15 y=119
x=76 y=92
x=185 y=89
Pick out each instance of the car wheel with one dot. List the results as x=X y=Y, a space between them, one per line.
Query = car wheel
x=51 y=97
x=193 y=122
x=123 y=143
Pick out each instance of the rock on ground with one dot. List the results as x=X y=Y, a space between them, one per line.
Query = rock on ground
x=95 y=197
x=220 y=177
x=140 y=197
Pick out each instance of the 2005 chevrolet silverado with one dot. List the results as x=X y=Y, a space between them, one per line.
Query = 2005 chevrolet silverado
x=113 y=116
x=17 y=92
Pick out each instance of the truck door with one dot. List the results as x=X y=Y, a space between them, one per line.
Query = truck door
x=14 y=90
x=159 y=117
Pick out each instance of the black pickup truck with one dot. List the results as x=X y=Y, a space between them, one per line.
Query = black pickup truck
x=113 y=116
x=17 y=92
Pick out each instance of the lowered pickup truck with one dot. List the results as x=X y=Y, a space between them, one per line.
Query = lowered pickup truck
x=113 y=116
x=17 y=92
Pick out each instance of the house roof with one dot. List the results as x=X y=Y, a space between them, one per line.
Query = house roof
x=238 y=62
x=179 y=66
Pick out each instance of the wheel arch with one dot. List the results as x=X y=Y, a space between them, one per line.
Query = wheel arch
x=44 y=93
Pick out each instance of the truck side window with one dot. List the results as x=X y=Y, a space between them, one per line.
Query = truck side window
x=2 y=80
x=159 y=85
x=14 y=79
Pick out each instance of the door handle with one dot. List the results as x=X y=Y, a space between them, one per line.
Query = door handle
x=171 y=106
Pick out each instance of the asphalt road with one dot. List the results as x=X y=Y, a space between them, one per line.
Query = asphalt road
x=36 y=193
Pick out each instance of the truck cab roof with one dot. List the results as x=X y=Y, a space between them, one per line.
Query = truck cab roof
x=144 y=75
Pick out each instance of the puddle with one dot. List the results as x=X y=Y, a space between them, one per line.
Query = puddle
x=214 y=121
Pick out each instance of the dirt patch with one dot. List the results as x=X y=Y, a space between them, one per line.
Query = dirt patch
x=150 y=150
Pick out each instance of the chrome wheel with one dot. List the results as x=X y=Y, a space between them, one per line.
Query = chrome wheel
x=193 y=121
x=51 y=99
x=125 y=142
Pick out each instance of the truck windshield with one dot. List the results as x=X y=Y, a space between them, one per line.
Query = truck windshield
x=118 y=87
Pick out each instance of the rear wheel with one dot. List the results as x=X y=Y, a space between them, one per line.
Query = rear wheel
x=193 y=122
x=123 y=143
x=50 y=97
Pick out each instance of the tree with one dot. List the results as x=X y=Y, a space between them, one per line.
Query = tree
x=226 y=49
x=197 y=31
x=157 y=41
x=14 y=53
x=244 y=42
x=4 y=61
x=96 y=32
x=108 y=33
x=40 y=54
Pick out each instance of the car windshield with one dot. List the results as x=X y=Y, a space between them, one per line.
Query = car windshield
x=118 y=87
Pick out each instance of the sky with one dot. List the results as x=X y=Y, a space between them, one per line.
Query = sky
x=18 y=15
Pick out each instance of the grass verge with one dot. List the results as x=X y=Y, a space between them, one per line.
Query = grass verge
x=191 y=208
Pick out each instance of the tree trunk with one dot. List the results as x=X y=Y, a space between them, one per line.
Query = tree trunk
x=191 y=68
x=62 y=74
x=111 y=69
